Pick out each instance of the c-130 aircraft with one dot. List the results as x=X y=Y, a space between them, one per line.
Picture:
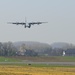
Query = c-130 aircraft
x=26 y=24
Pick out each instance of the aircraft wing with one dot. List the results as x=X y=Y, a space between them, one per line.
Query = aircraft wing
x=17 y=23
x=32 y=23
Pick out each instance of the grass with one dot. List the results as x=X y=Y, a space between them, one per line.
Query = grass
x=39 y=65
x=7 y=59
x=60 y=58
x=47 y=59
x=38 y=59
x=66 y=58
x=32 y=70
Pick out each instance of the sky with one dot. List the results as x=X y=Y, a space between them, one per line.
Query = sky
x=60 y=15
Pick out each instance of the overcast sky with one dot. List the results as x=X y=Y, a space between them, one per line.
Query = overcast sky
x=60 y=15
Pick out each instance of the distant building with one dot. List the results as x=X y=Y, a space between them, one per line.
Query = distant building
x=63 y=53
x=21 y=50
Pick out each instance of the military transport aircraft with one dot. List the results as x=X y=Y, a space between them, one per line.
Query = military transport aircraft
x=26 y=24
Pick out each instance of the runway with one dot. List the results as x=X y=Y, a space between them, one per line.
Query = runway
x=47 y=63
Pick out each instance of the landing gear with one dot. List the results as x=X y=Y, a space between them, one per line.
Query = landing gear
x=25 y=26
x=29 y=26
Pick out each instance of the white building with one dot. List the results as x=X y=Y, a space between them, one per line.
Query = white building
x=63 y=53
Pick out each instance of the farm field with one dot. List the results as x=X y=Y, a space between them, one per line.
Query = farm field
x=36 y=70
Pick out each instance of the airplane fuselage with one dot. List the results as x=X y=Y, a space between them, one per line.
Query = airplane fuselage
x=27 y=25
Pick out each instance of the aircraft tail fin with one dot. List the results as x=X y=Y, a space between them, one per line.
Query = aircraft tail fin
x=25 y=22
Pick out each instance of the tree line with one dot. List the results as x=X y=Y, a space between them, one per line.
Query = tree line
x=9 y=49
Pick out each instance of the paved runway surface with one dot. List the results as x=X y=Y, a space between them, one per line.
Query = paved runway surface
x=48 y=63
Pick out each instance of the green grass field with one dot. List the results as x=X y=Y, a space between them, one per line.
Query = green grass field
x=7 y=59
x=47 y=59
x=38 y=59
x=66 y=58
